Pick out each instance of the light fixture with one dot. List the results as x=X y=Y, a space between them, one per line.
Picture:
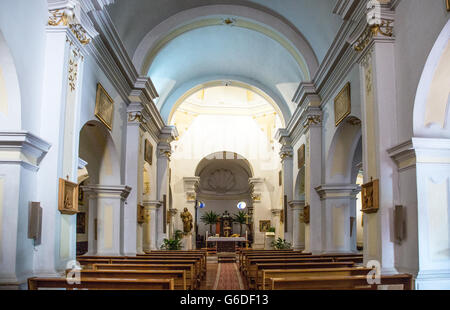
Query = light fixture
x=241 y=205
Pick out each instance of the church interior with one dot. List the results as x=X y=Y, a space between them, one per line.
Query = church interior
x=225 y=145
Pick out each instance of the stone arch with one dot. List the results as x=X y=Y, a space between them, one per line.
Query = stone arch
x=341 y=154
x=97 y=148
x=178 y=96
x=431 y=108
x=207 y=160
x=183 y=21
x=299 y=187
x=10 y=99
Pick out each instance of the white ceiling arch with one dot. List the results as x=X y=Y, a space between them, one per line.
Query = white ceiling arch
x=245 y=17
x=185 y=91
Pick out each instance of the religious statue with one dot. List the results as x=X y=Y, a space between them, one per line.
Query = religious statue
x=186 y=217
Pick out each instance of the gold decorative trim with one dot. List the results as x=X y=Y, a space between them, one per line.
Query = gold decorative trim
x=385 y=29
x=60 y=18
x=312 y=120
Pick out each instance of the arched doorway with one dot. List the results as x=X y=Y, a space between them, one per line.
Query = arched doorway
x=224 y=182
x=98 y=165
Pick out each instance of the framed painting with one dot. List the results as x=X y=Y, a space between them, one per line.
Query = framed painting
x=68 y=197
x=81 y=223
x=140 y=214
x=301 y=156
x=104 y=107
x=370 y=197
x=280 y=178
x=264 y=226
x=306 y=214
x=342 y=105
x=148 y=153
x=448 y=4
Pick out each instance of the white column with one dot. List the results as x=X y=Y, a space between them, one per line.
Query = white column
x=313 y=177
x=377 y=67
x=286 y=154
x=20 y=156
x=298 y=236
x=424 y=168
x=168 y=135
x=338 y=205
x=150 y=225
x=59 y=126
x=133 y=177
x=109 y=201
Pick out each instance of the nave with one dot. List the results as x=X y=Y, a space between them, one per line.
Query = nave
x=248 y=270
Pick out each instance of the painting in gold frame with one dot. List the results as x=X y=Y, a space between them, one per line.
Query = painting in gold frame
x=448 y=5
x=306 y=214
x=301 y=156
x=370 y=197
x=264 y=226
x=68 y=197
x=148 y=153
x=342 y=104
x=140 y=214
x=104 y=107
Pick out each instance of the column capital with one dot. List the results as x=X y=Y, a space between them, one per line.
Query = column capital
x=312 y=117
x=151 y=204
x=276 y=212
x=107 y=191
x=378 y=26
x=168 y=135
x=297 y=204
x=22 y=148
x=338 y=191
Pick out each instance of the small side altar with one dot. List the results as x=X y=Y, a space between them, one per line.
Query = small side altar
x=226 y=244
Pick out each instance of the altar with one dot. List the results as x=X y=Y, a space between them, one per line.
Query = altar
x=226 y=244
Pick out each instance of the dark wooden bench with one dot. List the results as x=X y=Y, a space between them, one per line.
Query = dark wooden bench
x=101 y=284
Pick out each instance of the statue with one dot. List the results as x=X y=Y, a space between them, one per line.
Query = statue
x=186 y=217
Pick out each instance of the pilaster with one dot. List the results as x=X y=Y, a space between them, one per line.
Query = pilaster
x=338 y=207
x=298 y=238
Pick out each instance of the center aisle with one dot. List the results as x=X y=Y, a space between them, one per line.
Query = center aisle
x=223 y=276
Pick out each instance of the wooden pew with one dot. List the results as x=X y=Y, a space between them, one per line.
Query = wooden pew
x=245 y=256
x=87 y=263
x=102 y=284
x=178 y=276
x=281 y=259
x=338 y=283
x=200 y=255
x=195 y=263
x=251 y=270
x=201 y=263
x=317 y=265
x=191 y=281
x=356 y=259
x=304 y=273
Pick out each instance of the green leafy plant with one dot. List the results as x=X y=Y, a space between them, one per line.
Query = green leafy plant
x=210 y=218
x=241 y=219
x=271 y=229
x=173 y=244
x=281 y=244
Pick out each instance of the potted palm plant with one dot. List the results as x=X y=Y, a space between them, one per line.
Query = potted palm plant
x=210 y=218
x=173 y=244
x=241 y=219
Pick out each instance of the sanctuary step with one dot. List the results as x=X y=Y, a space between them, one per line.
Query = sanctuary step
x=226 y=257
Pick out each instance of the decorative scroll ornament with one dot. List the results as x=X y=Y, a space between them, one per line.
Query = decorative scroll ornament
x=135 y=117
x=80 y=33
x=312 y=120
x=286 y=153
x=384 y=28
x=67 y=18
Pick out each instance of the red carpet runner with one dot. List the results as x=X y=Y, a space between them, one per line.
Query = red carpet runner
x=228 y=278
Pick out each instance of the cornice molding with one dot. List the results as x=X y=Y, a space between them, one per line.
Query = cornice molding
x=22 y=148
x=107 y=191
x=337 y=191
